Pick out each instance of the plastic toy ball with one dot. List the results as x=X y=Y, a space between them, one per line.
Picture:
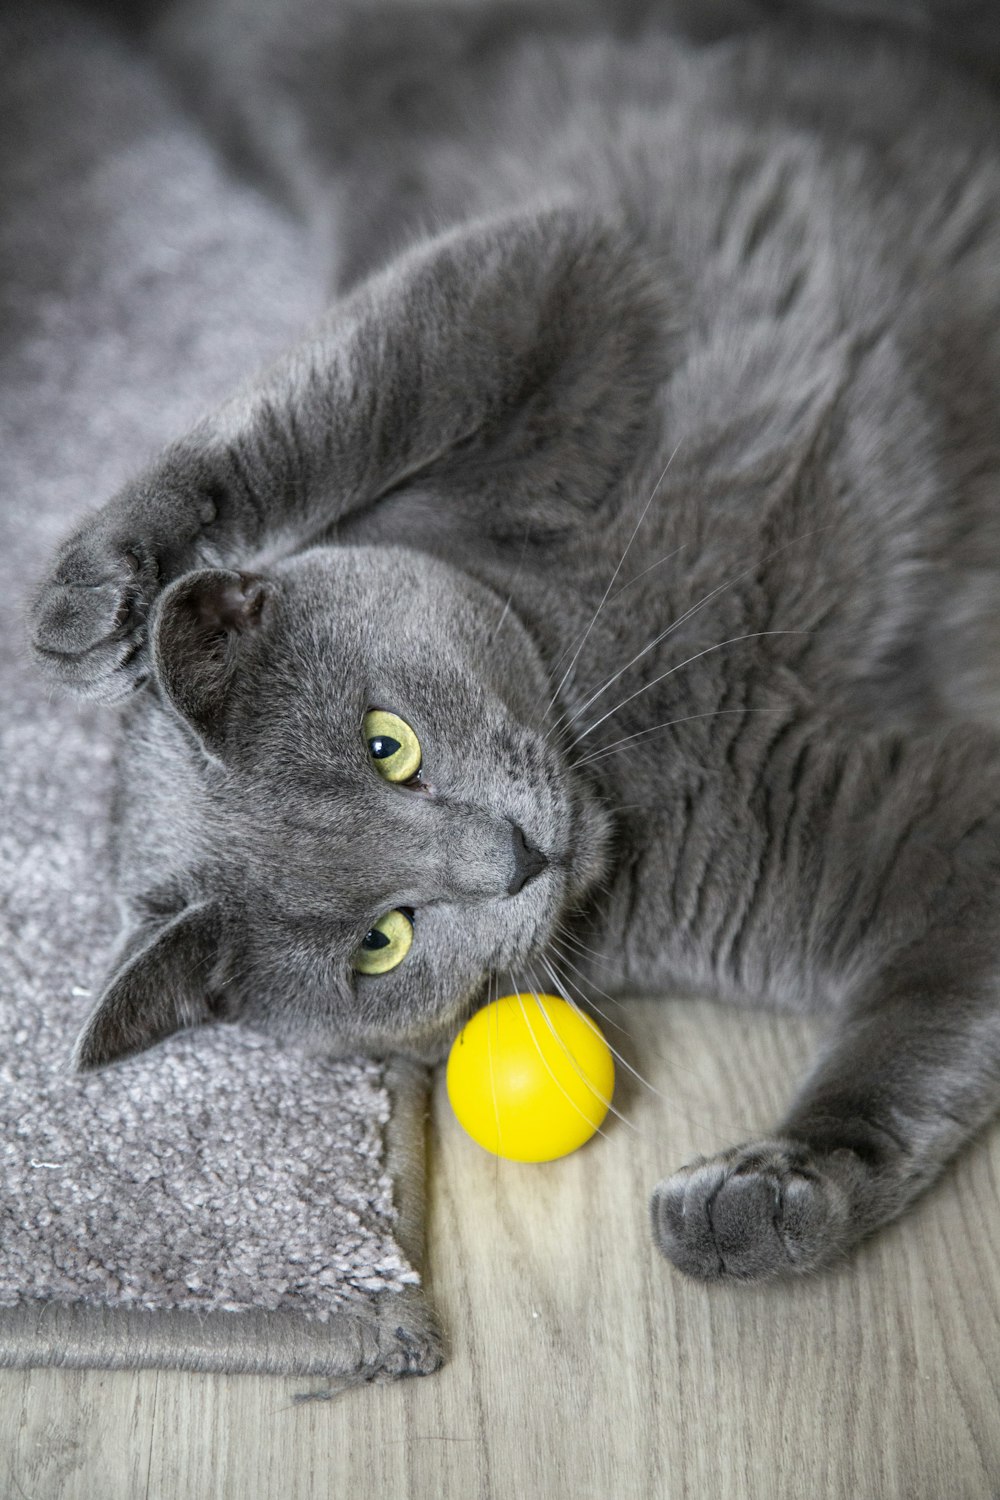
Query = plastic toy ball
x=530 y=1079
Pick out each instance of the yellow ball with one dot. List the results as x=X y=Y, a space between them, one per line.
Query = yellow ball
x=530 y=1079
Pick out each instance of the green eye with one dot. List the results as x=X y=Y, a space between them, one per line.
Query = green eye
x=385 y=945
x=392 y=745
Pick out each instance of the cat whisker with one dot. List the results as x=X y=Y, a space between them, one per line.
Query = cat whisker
x=206 y=960
x=721 y=1135
x=571 y=1000
x=635 y=531
x=563 y=958
x=628 y=739
x=571 y=939
x=693 y=610
x=534 y=991
x=494 y=981
x=562 y=719
x=564 y=716
x=231 y=979
x=732 y=641
x=584 y=981
x=517 y=573
x=561 y=985
x=647 y=569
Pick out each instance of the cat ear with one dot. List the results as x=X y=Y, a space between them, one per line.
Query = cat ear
x=198 y=638
x=157 y=991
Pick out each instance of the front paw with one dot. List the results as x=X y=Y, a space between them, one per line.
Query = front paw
x=755 y=1213
x=88 y=618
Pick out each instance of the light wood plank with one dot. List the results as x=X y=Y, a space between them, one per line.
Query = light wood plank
x=584 y=1366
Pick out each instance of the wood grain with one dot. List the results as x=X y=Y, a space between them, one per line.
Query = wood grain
x=582 y=1365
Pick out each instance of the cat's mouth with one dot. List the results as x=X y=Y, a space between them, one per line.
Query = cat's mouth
x=561 y=879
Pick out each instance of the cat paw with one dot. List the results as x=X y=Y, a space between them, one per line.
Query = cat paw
x=89 y=617
x=755 y=1213
x=88 y=620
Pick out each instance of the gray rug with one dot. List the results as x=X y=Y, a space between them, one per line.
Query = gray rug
x=219 y=1203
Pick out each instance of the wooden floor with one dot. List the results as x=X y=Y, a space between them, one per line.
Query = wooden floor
x=582 y=1365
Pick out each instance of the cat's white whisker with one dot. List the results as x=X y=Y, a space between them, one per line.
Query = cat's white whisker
x=635 y=531
x=587 y=956
x=565 y=935
x=693 y=610
x=503 y=616
x=517 y=573
x=647 y=569
x=711 y=1128
x=563 y=717
x=572 y=1001
x=732 y=641
x=494 y=980
x=534 y=991
x=561 y=980
x=563 y=958
x=627 y=739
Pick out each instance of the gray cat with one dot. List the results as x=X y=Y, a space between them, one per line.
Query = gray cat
x=603 y=595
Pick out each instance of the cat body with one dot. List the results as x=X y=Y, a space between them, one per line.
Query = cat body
x=645 y=467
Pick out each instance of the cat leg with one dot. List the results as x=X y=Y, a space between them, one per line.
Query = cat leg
x=511 y=365
x=912 y=1068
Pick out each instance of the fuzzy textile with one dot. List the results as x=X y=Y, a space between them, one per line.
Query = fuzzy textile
x=218 y=1203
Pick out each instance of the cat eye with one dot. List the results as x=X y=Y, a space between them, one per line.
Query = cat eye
x=385 y=945
x=392 y=745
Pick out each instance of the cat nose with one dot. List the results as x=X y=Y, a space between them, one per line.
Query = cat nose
x=528 y=863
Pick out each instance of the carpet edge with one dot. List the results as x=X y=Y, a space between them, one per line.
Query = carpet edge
x=393 y=1334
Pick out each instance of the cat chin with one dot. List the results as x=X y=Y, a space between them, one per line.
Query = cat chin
x=428 y=1042
x=428 y=1047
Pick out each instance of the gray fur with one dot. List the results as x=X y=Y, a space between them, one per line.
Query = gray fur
x=647 y=462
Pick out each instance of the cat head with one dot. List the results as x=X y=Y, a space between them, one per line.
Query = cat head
x=346 y=812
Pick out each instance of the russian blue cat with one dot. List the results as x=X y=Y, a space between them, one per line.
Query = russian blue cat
x=603 y=594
